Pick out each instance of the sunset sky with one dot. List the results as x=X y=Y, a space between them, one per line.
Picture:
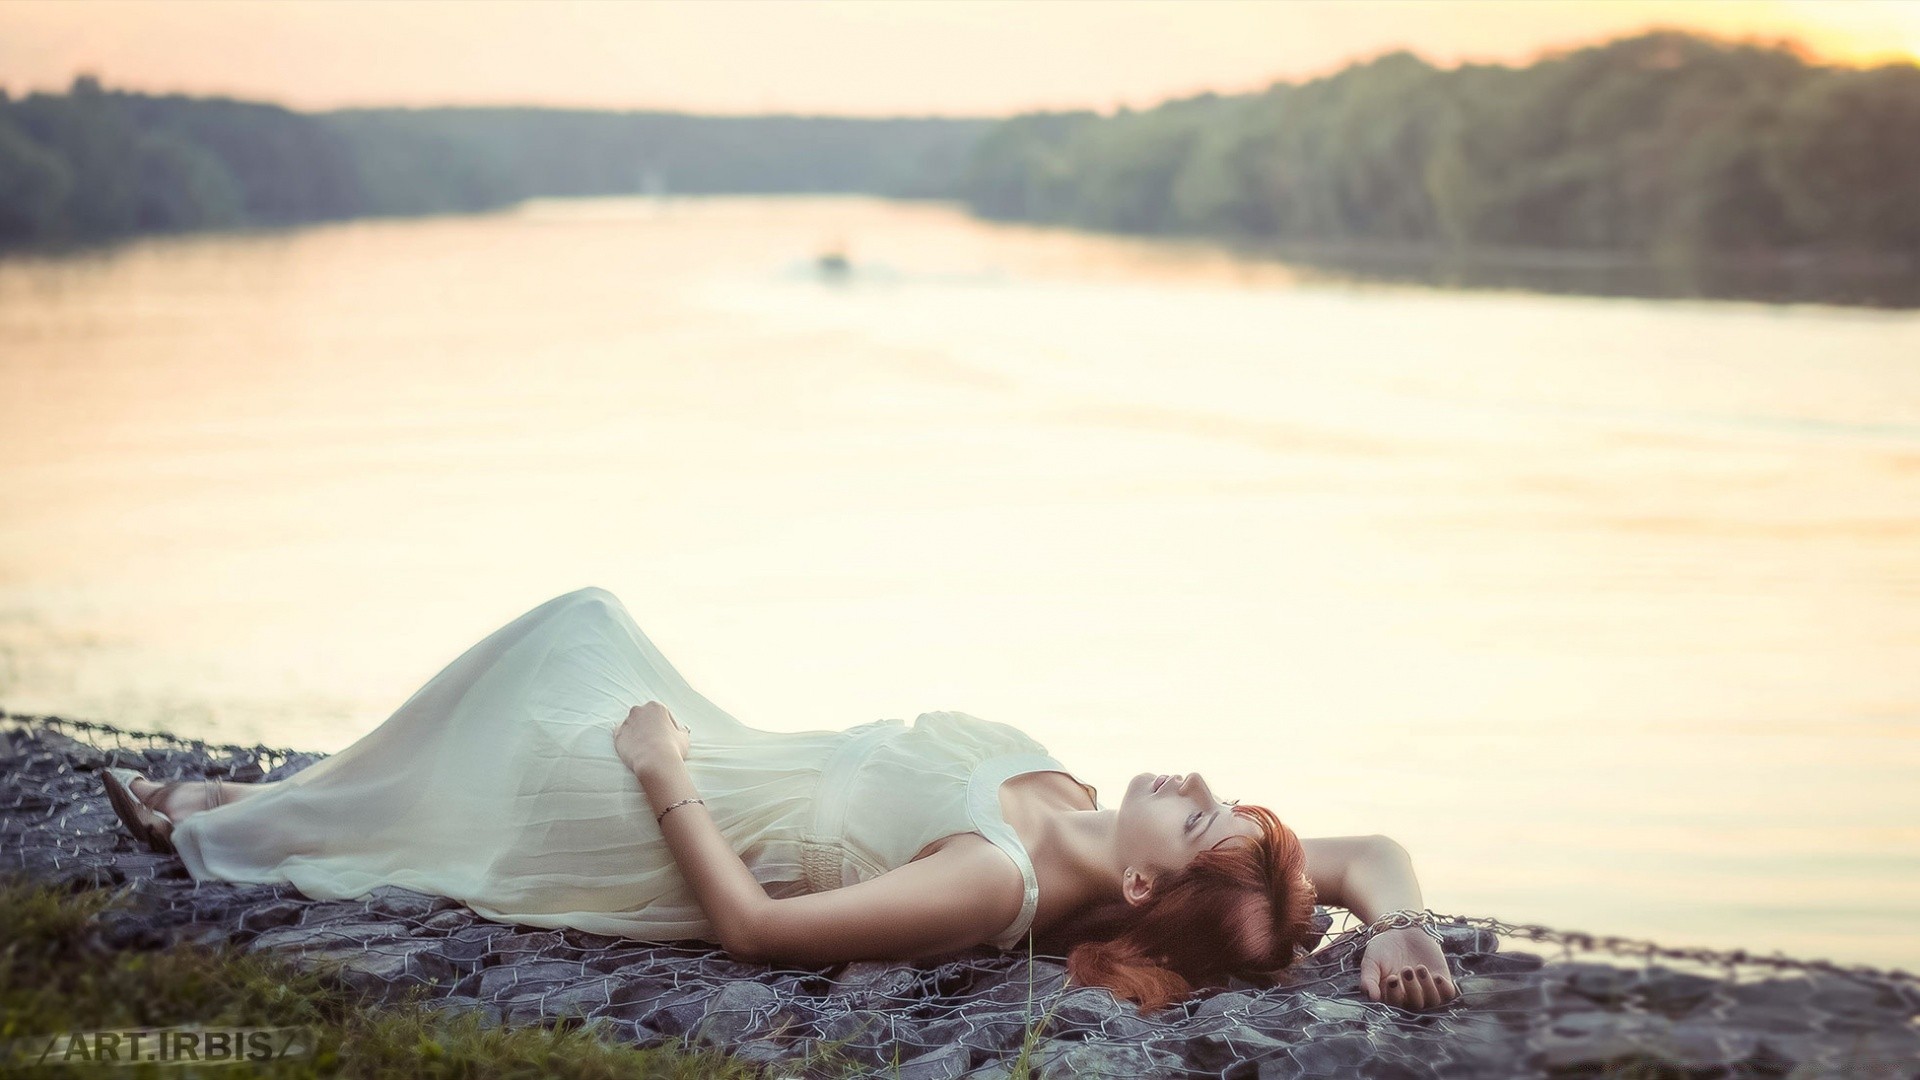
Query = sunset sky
x=845 y=57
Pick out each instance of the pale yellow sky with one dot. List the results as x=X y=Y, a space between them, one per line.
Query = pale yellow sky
x=845 y=57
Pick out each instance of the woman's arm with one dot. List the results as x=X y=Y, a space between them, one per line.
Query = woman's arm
x=960 y=896
x=1367 y=875
x=1370 y=876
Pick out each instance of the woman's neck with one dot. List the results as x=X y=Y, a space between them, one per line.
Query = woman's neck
x=1078 y=849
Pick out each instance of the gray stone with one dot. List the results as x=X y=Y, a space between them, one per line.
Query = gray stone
x=534 y=977
x=387 y=971
x=399 y=903
x=1059 y=1057
x=1502 y=992
x=275 y=914
x=869 y=981
x=1675 y=993
x=1090 y=1007
x=587 y=998
x=471 y=944
x=1339 y=1056
x=763 y=1052
x=447 y=921
x=1329 y=1010
x=1698 y=1045
x=1230 y=1001
x=948 y=1062
x=1602 y=984
x=1218 y=1052
x=1602 y=1047
x=735 y=1011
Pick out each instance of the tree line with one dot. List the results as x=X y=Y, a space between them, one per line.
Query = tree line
x=1659 y=144
x=96 y=163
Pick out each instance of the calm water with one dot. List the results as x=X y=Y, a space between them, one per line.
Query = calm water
x=1607 y=609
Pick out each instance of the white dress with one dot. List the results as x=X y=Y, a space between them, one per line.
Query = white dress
x=497 y=784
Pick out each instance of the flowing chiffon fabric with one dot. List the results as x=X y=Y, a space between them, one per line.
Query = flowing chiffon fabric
x=497 y=784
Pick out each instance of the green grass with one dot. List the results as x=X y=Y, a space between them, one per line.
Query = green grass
x=55 y=978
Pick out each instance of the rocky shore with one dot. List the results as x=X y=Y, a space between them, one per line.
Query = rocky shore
x=1558 y=1011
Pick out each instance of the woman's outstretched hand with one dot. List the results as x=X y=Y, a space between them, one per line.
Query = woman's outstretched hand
x=1405 y=967
x=648 y=736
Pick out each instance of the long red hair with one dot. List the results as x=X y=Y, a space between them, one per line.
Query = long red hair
x=1242 y=909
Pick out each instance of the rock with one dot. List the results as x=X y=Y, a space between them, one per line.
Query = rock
x=1506 y=963
x=128 y=930
x=275 y=914
x=1700 y=1046
x=1600 y=1041
x=1502 y=992
x=1339 y=1056
x=472 y=944
x=1089 y=1007
x=1329 y=1010
x=307 y=937
x=1217 y=1053
x=949 y=1062
x=592 y=997
x=447 y=921
x=386 y=971
x=1601 y=983
x=1230 y=1001
x=762 y=1052
x=876 y=980
x=1059 y=1057
x=1675 y=993
x=526 y=977
x=678 y=1013
x=399 y=903
x=202 y=934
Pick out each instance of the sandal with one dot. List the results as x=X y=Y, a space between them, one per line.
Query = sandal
x=147 y=824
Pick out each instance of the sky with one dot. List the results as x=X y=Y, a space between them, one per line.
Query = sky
x=840 y=57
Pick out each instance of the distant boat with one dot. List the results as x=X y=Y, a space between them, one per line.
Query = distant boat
x=834 y=265
x=654 y=183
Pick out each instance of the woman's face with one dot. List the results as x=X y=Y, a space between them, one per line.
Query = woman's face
x=1165 y=820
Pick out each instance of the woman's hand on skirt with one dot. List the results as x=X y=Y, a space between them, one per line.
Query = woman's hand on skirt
x=650 y=735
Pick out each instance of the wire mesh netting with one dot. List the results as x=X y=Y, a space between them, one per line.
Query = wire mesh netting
x=1566 y=1004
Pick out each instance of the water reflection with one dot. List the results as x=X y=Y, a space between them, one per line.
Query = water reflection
x=1873 y=282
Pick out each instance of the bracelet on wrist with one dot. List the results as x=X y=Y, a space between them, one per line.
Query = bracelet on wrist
x=662 y=815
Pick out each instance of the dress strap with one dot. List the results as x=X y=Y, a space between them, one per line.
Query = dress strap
x=983 y=805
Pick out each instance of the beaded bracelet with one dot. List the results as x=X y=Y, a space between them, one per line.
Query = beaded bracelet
x=662 y=815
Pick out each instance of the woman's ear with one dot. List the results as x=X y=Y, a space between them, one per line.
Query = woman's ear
x=1135 y=887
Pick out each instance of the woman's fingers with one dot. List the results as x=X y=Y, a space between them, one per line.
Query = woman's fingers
x=1393 y=990
x=1370 y=975
x=1429 y=988
x=1416 y=996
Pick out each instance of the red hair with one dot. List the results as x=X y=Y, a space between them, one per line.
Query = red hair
x=1243 y=908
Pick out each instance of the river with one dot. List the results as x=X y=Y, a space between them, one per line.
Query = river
x=1608 y=609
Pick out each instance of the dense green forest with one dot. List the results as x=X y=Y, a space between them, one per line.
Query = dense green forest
x=95 y=163
x=1661 y=144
